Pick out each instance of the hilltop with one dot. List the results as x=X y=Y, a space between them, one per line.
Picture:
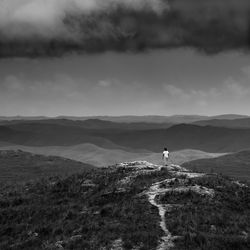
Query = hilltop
x=132 y=205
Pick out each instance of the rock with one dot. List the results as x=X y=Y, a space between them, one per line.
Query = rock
x=76 y=237
x=117 y=244
x=88 y=183
x=213 y=228
x=59 y=244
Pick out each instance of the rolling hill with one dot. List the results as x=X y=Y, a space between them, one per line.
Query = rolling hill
x=92 y=124
x=19 y=166
x=97 y=156
x=182 y=136
x=36 y=134
x=235 y=123
x=236 y=165
x=208 y=138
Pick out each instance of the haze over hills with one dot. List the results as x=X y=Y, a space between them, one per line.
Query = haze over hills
x=36 y=134
x=177 y=137
x=97 y=156
x=209 y=139
x=234 y=123
x=92 y=124
x=132 y=118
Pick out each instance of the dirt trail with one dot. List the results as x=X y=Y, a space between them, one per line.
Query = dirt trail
x=167 y=240
x=179 y=176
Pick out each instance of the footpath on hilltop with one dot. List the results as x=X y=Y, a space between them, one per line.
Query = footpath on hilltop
x=132 y=205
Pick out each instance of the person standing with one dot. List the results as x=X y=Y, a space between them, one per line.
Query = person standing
x=165 y=156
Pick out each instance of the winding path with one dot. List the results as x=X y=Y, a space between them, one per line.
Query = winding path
x=167 y=240
x=179 y=176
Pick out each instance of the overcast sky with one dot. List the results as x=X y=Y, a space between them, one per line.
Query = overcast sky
x=54 y=65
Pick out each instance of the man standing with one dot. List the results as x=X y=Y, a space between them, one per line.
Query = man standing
x=165 y=156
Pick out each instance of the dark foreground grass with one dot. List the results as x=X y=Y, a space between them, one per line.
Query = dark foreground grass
x=92 y=210
x=219 y=223
x=84 y=211
x=18 y=166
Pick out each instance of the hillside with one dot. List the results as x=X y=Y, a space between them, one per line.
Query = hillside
x=177 y=137
x=208 y=138
x=235 y=123
x=134 y=205
x=92 y=124
x=36 y=134
x=235 y=165
x=19 y=166
x=98 y=156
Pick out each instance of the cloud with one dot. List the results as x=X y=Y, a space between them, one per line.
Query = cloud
x=32 y=28
x=231 y=91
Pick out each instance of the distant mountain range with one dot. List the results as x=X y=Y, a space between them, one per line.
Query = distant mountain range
x=234 y=123
x=209 y=139
x=100 y=157
x=132 y=118
x=177 y=137
x=101 y=143
x=92 y=124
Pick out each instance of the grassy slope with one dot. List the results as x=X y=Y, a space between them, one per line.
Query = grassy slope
x=98 y=156
x=18 y=166
x=235 y=165
x=36 y=216
x=220 y=223
x=79 y=216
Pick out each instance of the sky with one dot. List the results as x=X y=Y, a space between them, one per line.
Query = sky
x=113 y=57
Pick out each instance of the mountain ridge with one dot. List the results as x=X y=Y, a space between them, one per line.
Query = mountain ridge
x=133 y=118
x=177 y=137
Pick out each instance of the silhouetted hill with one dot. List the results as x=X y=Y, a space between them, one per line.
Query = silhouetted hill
x=156 y=118
x=16 y=166
x=235 y=123
x=92 y=124
x=37 y=134
x=208 y=138
x=228 y=116
x=183 y=136
x=129 y=118
x=11 y=118
x=236 y=165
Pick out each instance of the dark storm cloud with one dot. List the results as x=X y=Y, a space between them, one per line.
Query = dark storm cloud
x=55 y=27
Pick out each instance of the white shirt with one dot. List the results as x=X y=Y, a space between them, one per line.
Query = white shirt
x=165 y=154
